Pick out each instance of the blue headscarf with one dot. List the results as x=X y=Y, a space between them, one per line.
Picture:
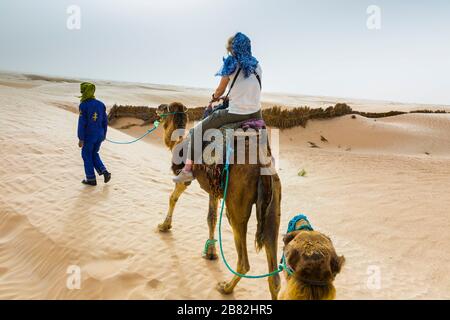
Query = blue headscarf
x=242 y=56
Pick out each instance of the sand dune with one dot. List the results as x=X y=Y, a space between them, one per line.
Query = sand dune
x=409 y=134
x=378 y=188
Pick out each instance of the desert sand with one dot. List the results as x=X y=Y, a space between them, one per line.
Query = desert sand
x=378 y=188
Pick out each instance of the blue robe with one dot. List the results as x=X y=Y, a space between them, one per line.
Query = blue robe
x=92 y=128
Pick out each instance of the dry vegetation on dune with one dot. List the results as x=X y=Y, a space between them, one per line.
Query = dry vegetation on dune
x=144 y=113
x=276 y=116
x=283 y=118
x=50 y=79
x=147 y=114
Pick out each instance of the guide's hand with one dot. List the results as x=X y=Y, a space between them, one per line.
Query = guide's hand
x=80 y=143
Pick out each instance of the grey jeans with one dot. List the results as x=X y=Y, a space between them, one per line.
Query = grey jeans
x=215 y=121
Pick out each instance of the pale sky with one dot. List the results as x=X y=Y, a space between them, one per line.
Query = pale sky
x=320 y=47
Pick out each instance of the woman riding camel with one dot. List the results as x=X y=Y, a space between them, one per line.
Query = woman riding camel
x=241 y=73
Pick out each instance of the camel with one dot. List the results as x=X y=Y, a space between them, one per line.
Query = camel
x=247 y=187
x=314 y=264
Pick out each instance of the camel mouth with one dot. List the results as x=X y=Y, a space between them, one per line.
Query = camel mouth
x=312 y=282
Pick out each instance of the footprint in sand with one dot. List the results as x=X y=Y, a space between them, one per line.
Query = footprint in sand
x=3 y=271
x=154 y=283
x=35 y=151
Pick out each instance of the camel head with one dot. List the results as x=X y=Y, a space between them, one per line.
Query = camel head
x=314 y=263
x=172 y=117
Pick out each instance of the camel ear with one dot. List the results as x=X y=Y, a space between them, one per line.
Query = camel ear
x=289 y=237
x=185 y=109
x=163 y=107
x=336 y=264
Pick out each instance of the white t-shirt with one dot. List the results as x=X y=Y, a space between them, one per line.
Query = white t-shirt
x=245 y=96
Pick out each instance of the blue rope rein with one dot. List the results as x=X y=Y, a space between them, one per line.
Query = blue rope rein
x=155 y=126
x=282 y=266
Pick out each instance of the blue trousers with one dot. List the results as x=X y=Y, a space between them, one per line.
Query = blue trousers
x=91 y=158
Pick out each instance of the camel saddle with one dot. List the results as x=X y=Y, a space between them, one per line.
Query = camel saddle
x=215 y=153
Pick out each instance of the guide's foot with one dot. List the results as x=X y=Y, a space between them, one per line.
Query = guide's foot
x=106 y=176
x=89 y=182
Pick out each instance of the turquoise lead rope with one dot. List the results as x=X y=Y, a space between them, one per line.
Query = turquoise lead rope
x=282 y=266
x=155 y=126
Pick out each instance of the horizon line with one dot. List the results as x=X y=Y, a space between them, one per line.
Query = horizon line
x=67 y=77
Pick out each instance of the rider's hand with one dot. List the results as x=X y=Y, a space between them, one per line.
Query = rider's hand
x=214 y=99
x=80 y=143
